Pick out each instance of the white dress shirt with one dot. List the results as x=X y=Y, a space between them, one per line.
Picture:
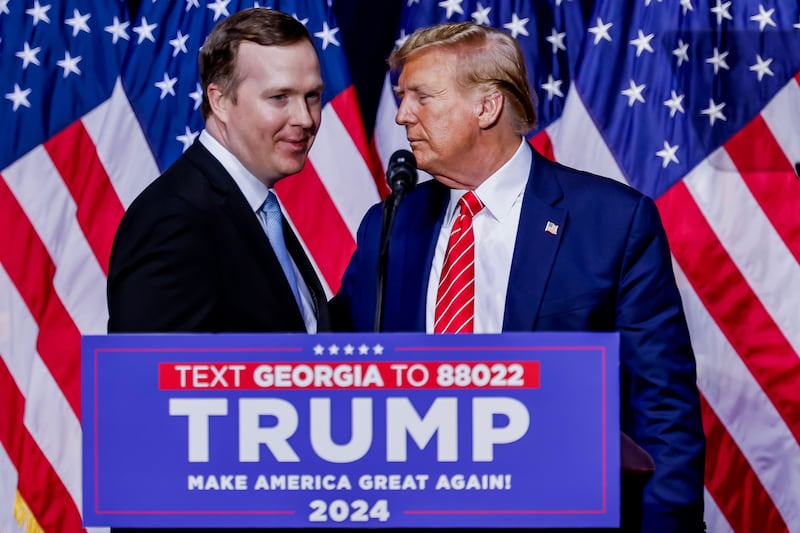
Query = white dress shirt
x=255 y=192
x=495 y=231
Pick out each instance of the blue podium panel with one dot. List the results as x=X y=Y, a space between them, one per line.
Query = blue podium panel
x=351 y=430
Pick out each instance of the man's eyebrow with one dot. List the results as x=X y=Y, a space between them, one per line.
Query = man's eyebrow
x=409 y=88
x=288 y=89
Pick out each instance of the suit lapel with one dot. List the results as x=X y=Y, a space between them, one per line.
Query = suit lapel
x=318 y=297
x=417 y=225
x=233 y=203
x=541 y=228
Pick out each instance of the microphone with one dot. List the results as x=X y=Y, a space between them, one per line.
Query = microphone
x=402 y=173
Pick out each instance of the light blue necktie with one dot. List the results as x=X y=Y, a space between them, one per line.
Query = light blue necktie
x=274 y=224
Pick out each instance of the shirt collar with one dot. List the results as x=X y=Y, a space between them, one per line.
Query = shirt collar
x=254 y=190
x=500 y=190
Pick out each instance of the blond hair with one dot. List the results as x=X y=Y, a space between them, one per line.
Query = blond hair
x=489 y=60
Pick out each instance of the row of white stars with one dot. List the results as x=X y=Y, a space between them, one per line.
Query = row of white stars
x=118 y=30
x=145 y=32
x=601 y=29
x=78 y=22
x=518 y=26
x=634 y=93
x=601 y=32
x=668 y=154
x=642 y=43
x=39 y=12
x=348 y=349
x=675 y=105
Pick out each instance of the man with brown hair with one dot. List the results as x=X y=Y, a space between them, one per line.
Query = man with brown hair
x=205 y=247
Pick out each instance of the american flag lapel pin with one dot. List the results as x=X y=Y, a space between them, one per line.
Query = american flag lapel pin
x=551 y=228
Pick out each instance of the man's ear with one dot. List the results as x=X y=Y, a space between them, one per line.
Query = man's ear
x=491 y=107
x=218 y=101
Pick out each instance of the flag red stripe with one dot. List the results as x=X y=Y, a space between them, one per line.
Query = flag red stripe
x=380 y=178
x=38 y=484
x=770 y=177
x=730 y=301
x=28 y=264
x=99 y=210
x=346 y=106
x=543 y=144
x=318 y=222
x=745 y=503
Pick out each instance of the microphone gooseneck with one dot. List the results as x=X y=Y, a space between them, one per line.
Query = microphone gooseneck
x=401 y=174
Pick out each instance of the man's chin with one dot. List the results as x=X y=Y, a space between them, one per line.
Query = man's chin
x=295 y=166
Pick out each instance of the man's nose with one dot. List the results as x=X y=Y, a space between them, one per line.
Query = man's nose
x=404 y=115
x=301 y=113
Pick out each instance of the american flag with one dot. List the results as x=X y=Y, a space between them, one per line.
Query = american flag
x=95 y=104
x=697 y=104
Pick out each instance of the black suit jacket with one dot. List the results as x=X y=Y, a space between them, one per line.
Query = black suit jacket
x=191 y=256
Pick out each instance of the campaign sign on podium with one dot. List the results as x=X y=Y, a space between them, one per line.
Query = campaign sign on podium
x=351 y=430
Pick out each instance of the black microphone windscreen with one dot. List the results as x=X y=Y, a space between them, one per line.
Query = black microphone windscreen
x=402 y=172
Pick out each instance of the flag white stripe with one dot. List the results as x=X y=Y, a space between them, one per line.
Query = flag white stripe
x=715 y=520
x=8 y=492
x=48 y=416
x=112 y=125
x=749 y=238
x=579 y=144
x=786 y=130
x=342 y=170
x=748 y=415
x=45 y=199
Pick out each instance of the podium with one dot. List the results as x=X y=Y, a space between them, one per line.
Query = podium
x=360 y=430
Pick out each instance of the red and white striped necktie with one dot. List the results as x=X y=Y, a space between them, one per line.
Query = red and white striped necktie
x=455 y=299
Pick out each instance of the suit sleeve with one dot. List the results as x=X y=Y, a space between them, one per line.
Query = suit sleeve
x=658 y=375
x=353 y=307
x=161 y=274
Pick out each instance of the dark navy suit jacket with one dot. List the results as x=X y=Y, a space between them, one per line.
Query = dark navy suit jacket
x=606 y=268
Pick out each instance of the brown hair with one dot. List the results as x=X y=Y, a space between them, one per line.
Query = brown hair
x=489 y=59
x=217 y=58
